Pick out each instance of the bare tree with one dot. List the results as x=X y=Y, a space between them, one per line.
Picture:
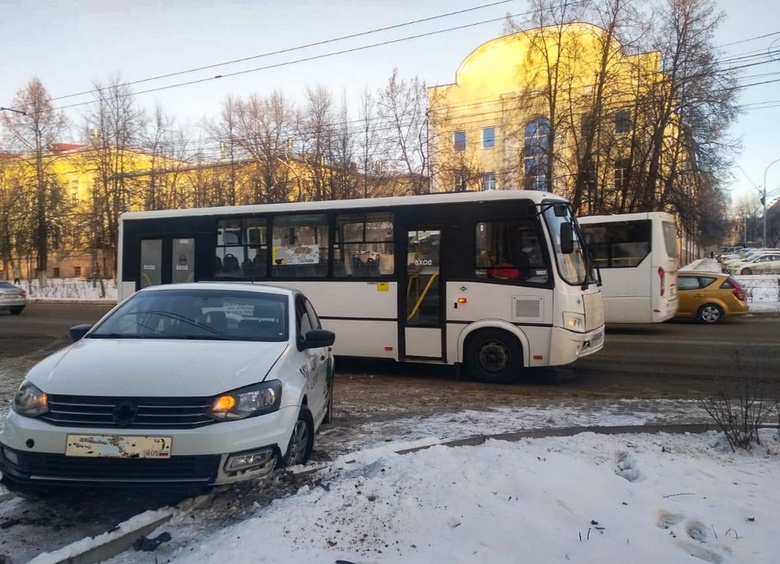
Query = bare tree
x=264 y=128
x=341 y=160
x=697 y=97
x=32 y=133
x=403 y=109
x=369 y=145
x=166 y=147
x=224 y=133
x=314 y=139
x=113 y=129
x=551 y=68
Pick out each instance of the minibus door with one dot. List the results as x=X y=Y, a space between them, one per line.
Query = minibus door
x=422 y=297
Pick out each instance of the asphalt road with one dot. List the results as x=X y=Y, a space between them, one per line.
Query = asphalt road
x=674 y=359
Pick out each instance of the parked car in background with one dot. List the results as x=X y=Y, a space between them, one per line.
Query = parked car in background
x=710 y=297
x=762 y=263
x=731 y=263
x=183 y=384
x=12 y=298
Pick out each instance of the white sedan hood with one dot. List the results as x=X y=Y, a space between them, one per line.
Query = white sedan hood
x=154 y=368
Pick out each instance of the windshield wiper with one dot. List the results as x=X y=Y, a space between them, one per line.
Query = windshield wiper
x=185 y=319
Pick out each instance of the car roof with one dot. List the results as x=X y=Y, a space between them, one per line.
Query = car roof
x=699 y=273
x=223 y=287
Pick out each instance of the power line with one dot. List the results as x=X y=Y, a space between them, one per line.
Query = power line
x=749 y=39
x=302 y=60
x=292 y=49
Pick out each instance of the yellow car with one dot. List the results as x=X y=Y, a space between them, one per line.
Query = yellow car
x=710 y=297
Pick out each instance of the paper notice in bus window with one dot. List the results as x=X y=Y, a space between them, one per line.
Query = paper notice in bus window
x=383 y=286
x=302 y=254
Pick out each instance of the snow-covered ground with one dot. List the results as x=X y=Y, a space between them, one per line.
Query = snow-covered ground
x=635 y=498
x=586 y=498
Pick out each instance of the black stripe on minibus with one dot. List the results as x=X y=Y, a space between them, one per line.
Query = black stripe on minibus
x=345 y=318
x=515 y=324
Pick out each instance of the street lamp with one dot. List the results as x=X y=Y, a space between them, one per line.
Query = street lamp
x=2 y=109
x=764 y=198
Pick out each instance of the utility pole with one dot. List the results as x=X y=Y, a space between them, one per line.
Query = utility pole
x=763 y=199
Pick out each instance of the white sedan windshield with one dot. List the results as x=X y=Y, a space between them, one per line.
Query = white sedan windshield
x=199 y=314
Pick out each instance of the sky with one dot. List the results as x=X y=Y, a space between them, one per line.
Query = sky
x=70 y=45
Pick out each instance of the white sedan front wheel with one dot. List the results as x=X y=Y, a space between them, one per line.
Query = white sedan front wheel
x=302 y=440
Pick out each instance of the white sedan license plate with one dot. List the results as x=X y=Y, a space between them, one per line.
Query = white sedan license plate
x=112 y=446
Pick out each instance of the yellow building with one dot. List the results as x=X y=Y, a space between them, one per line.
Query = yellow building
x=85 y=191
x=556 y=108
x=88 y=188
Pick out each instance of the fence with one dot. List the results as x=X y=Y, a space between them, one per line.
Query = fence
x=763 y=289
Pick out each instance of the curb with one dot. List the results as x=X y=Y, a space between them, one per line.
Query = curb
x=651 y=429
x=117 y=540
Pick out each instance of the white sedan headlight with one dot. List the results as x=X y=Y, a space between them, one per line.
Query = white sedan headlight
x=573 y=321
x=29 y=401
x=257 y=399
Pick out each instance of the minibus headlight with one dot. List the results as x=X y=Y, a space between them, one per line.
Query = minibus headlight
x=573 y=321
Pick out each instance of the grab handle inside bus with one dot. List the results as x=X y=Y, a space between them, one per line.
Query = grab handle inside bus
x=567 y=238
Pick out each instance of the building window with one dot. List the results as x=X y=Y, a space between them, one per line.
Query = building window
x=489 y=181
x=460 y=141
x=536 y=156
x=622 y=170
x=56 y=272
x=587 y=125
x=77 y=271
x=623 y=121
x=460 y=183
x=488 y=137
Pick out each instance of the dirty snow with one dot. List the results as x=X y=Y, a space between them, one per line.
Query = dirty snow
x=586 y=498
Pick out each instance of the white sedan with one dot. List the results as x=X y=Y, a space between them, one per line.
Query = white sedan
x=765 y=263
x=182 y=384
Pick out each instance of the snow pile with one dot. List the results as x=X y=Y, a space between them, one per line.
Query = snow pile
x=71 y=289
x=587 y=498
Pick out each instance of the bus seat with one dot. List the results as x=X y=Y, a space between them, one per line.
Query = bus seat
x=372 y=268
x=231 y=263
x=339 y=270
x=358 y=267
x=218 y=265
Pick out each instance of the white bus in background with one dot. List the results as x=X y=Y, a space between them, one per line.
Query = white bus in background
x=637 y=257
x=494 y=281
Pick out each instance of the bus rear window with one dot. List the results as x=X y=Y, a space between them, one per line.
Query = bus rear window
x=670 y=239
x=620 y=244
